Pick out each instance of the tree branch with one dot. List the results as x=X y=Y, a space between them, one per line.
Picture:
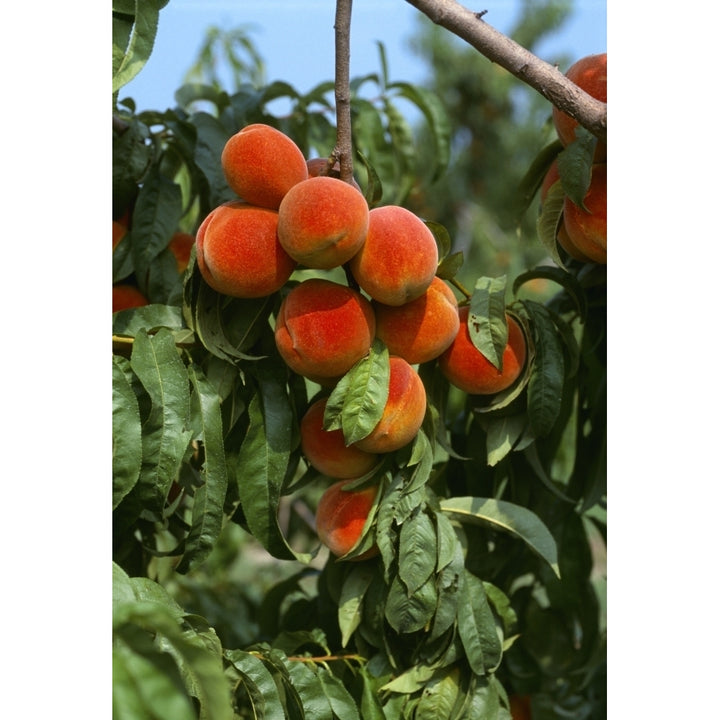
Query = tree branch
x=343 y=148
x=538 y=74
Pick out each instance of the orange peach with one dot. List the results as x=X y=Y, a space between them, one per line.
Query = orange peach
x=341 y=515
x=399 y=257
x=119 y=232
x=421 y=329
x=261 y=164
x=326 y=450
x=238 y=251
x=404 y=410
x=317 y=167
x=468 y=369
x=586 y=227
x=126 y=296
x=180 y=245
x=589 y=74
x=322 y=222
x=323 y=328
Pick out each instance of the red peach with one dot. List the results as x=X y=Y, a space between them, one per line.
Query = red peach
x=322 y=222
x=421 y=329
x=341 y=516
x=326 y=450
x=316 y=168
x=399 y=257
x=238 y=251
x=180 y=245
x=261 y=164
x=468 y=369
x=587 y=228
x=323 y=328
x=126 y=296
x=404 y=410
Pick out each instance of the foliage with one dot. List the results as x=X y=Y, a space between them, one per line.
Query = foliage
x=490 y=524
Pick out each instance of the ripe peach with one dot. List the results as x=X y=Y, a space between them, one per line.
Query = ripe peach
x=126 y=296
x=421 y=329
x=404 y=411
x=399 y=257
x=261 y=164
x=323 y=328
x=551 y=177
x=340 y=518
x=468 y=369
x=322 y=222
x=589 y=74
x=238 y=251
x=587 y=228
x=180 y=245
x=316 y=167
x=326 y=450
x=520 y=708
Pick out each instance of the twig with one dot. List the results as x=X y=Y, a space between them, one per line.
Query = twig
x=538 y=74
x=343 y=148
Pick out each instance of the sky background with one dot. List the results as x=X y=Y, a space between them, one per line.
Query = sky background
x=298 y=47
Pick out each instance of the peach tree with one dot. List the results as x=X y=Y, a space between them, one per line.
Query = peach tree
x=484 y=590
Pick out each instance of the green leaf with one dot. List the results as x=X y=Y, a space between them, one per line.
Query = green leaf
x=165 y=439
x=502 y=433
x=263 y=460
x=156 y=217
x=575 y=166
x=477 y=627
x=209 y=498
x=211 y=139
x=351 y=600
x=418 y=551
x=126 y=432
x=410 y=681
x=545 y=386
x=437 y=119
x=149 y=318
x=259 y=684
x=129 y=59
x=357 y=402
x=566 y=280
x=341 y=702
x=311 y=693
x=407 y=614
x=486 y=320
x=507 y=517
x=548 y=221
x=439 y=695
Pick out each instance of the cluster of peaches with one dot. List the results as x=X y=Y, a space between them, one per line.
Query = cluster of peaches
x=292 y=213
x=582 y=232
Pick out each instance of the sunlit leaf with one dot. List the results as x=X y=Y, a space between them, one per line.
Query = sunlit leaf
x=486 y=320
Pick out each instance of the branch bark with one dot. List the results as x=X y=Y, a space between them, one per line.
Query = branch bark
x=343 y=148
x=538 y=74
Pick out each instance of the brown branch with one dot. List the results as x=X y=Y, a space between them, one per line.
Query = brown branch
x=538 y=74
x=343 y=148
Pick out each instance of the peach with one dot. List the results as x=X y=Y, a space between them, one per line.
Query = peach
x=317 y=167
x=589 y=74
x=421 y=329
x=551 y=177
x=180 y=245
x=238 y=251
x=404 y=410
x=322 y=222
x=586 y=228
x=126 y=296
x=398 y=259
x=323 y=328
x=261 y=164
x=326 y=450
x=468 y=369
x=119 y=232
x=341 y=515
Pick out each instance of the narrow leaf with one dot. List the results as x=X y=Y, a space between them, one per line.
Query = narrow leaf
x=351 y=600
x=508 y=517
x=418 y=551
x=259 y=683
x=486 y=320
x=126 y=432
x=133 y=57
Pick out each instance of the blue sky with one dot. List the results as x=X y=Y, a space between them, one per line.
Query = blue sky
x=295 y=39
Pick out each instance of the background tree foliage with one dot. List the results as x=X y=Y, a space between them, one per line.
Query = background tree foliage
x=491 y=524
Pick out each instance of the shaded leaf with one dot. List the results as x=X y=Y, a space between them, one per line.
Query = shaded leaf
x=486 y=320
x=126 y=432
x=508 y=517
x=418 y=551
